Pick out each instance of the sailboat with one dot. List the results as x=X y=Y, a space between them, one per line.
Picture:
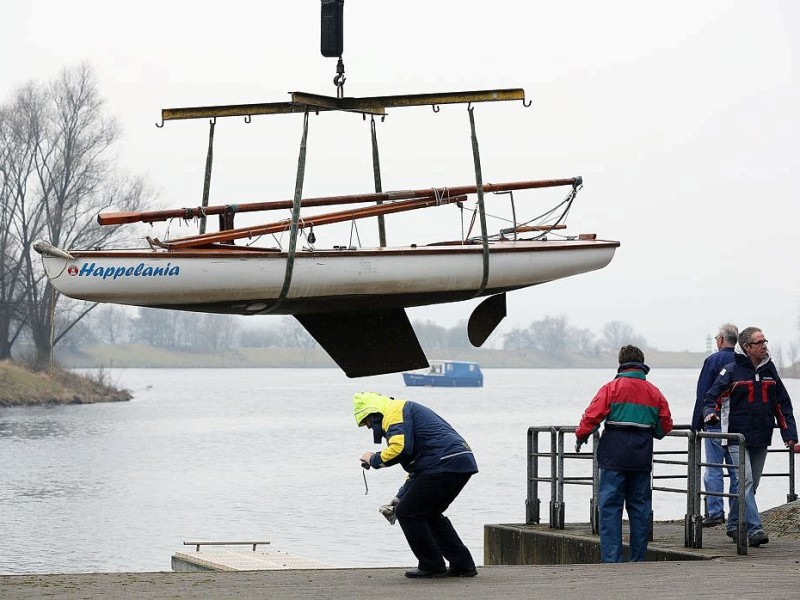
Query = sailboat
x=351 y=299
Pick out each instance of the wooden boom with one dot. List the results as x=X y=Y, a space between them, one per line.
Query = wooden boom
x=119 y=218
x=325 y=219
x=526 y=228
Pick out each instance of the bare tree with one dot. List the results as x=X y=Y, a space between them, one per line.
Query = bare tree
x=155 y=327
x=583 y=341
x=294 y=335
x=551 y=334
x=618 y=333
x=112 y=323
x=8 y=244
x=794 y=352
x=20 y=209
x=219 y=331
x=430 y=335
x=203 y=332
x=74 y=179
x=457 y=336
x=517 y=340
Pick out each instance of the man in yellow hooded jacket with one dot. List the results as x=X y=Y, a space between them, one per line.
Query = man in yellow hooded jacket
x=439 y=463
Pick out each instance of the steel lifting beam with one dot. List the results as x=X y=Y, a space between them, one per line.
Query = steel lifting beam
x=235 y=110
x=247 y=110
x=398 y=101
x=374 y=105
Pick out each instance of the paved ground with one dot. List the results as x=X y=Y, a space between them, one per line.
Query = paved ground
x=719 y=578
x=771 y=571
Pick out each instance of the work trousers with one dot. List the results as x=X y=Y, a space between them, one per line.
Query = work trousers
x=754 y=459
x=633 y=490
x=429 y=533
x=713 y=480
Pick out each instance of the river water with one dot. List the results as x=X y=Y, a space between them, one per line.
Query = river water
x=272 y=454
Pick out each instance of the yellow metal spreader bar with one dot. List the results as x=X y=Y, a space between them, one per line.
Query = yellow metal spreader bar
x=367 y=103
x=374 y=105
x=242 y=110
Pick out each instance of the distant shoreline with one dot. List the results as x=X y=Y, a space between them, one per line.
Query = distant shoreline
x=140 y=356
x=21 y=387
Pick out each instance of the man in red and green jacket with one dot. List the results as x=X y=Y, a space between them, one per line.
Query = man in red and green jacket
x=635 y=412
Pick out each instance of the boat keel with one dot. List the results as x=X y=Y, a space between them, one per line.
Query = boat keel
x=485 y=319
x=367 y=343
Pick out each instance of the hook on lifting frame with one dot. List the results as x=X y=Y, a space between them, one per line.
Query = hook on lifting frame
x=339 y=79
x=435 y=108
x=526 y=103
x=160 y=125
x=248 y=118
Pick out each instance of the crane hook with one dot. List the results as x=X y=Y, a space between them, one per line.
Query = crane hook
x=339 y=80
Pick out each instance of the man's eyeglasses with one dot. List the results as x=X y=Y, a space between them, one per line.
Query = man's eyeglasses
x=759 y=343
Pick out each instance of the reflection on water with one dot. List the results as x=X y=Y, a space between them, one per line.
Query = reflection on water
x=40 y=422
x=32 y=430
x=46 y=491
x=268 y=454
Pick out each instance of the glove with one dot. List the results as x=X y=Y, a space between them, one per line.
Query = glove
x=711 y=418
x=365 y=458
x=388 y=510
x=578 y=445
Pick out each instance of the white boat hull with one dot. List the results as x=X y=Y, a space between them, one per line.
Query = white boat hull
x=243 y=281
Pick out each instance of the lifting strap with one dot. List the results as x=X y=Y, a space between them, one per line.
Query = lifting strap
x=207 y=179
x=298 y=193
x=376 y=171
x=481 y=209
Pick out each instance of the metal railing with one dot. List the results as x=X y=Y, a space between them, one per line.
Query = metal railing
x=198 y=544
x=690 y=459
x=693 y=519
x=556 y=457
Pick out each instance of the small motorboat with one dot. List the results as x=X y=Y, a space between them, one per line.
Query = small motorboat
x=447 y=373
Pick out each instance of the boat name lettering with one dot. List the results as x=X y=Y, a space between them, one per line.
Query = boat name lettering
x=140 y=270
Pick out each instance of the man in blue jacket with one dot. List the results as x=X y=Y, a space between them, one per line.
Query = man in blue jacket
x=439 y=463
x=715 y=451
x=748 y=397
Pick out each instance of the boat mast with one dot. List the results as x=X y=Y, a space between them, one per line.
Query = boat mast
x=152 y=216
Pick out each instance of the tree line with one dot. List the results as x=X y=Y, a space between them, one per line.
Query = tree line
x=57 y=171
x=111 y=324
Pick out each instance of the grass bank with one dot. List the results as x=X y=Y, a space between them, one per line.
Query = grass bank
x=20 y=386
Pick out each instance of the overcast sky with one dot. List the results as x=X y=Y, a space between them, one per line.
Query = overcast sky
x=680 y=116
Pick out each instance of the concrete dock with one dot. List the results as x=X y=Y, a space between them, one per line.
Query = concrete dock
x=750 y=577
x=770 y=571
